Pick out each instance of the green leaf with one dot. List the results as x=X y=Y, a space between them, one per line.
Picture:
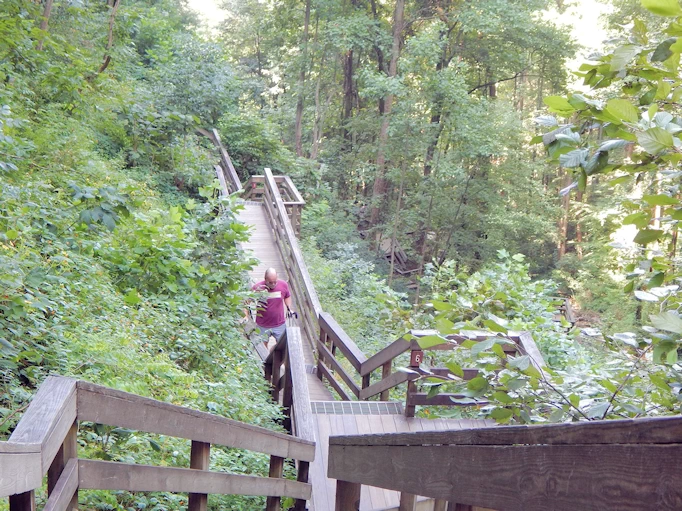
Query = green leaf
x=521 y=363
x=501 y=414
x=502 y=397
x=660 y=200
x=608 y=386
x=662 y=7
x=640 y=219
x=575 y=158
x=668 y=321
x=482 y=346
x=645 y=297
x=622 y=110
x=662 y=51
x=660 y=382
x=558 y=104
x=441 y=306
x=498 y=350
x=479 y=383
x=655 y=140
x=154 y=445
x=597 y=411
x=430 y=341
x=132 y=298
x=622 y=57
x=656 y=280
x=455 y=369
x=645 y=236
x=494 y=326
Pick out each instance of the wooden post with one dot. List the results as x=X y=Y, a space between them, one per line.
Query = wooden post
x=320 y=357
x=287 y=396
x=68 y=450
x=23 y=501
x=407 y=501
x=440 y=505
x=276 y=368
x=385 y=373
x=276 y=469
x=460 y=507
x=347 y=496
x=365 y=381
x=199 y=460
x=411 y=389
x=303 y=472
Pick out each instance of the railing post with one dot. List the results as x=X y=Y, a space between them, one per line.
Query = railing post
x=276 y=469
x=320 y=356
x=407 y=501
x=440 y=505
x=303 y=472
x=287 y=396
x=68 y=450
x=385 y=373
x=411 y=389
x=347 y=496
x=276 y=369
x=23 y=501
x=199 y=460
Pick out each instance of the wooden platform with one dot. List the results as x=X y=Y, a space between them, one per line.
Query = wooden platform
x=368 y=417
x=262 y=246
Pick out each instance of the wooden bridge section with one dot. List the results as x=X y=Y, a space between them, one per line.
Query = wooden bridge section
x=361 y=450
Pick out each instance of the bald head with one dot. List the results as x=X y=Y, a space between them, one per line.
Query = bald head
x=270 y=278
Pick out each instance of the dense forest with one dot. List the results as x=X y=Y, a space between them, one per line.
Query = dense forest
x=452 y=179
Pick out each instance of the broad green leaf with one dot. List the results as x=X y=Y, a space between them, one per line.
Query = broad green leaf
x=655 y=140
x=640 y=219
x=660 y=200
x=645 y=236
x=479 y=383
x=668 y=321
x=613 y=144
x=12 y=234
x=558 y=104
x=622 y=57
x=502 y=397
x=663 y=7
x=430 y=341
x=663 y=51
x=608 y=386
x=154 y=445
x=622 y=110
x=498 y=350
x=441 y=306
x=132 y=298
x=494 y=326
x=598 y=411
x=656 y=280
x=521 y=363
x=645 y=297
x=660 y=382
x=445 y=326
x=482 y=346
x=455 y=369
x=575 y=158
x=500 y=414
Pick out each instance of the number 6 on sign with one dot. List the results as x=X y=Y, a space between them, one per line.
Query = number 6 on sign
x=416 y=358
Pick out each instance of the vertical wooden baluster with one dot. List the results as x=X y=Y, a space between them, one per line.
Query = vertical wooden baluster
x=347 y=496
x=459 y=507
x=385 y=373
x=199 y=460
x=365 y=382
x=276 y=469
x=23 y=501
x=440 y=505
x=320 y=357
x=303 y=471
x=411 y=389
x=287 y=396
x=68 y=450
x=276 y=369
x=407 y=501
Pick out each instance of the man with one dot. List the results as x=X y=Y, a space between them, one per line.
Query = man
x=270 y=315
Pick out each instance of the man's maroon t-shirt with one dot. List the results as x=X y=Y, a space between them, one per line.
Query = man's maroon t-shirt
x=271 y=304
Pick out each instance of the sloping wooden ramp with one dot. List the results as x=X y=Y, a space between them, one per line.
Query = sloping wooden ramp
x=262 y=245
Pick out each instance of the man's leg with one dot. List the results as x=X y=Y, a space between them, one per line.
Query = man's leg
x=278 y=331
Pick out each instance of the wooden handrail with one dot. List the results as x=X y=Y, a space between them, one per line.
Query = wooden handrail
x=44 y=442
x=624 y=465
x=227 y=175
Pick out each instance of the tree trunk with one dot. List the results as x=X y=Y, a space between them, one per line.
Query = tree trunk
x=565 y=207
x=380 y=180
x=347 y=91
x=301 y=83
x=578 y=228
x=110 y=42
x=395 y=224
x=44 y=21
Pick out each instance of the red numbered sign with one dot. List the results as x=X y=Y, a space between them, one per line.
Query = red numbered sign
x=416 y=358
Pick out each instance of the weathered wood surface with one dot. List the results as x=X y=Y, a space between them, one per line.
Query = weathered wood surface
x=64 y=495
x=303 y=417
x=589 y=477
x=342 y=341
x=49 y=417
x=662 y=430
x=200 y=456
x=391 y=381
x=396 y=348
x=107 y=475
x=117 y=408
x=323 y=370
x=326 y=357
x=19 y=472
x=23 y=501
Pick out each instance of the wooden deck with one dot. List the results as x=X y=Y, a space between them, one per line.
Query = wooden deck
x=368 y=417
x=263 y=247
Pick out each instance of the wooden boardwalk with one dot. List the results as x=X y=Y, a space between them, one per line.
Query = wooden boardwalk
x=263 y=247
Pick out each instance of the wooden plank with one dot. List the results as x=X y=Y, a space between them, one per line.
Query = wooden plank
x=377 y=495
x=529 y=348
x=390 y=352
x=236 y=185
x=342 y=341
x=23 y=501
x=49 y=417
x=331 y=360
x=368 y=498
x=276 y=469
x=408 y=501
x=524 y=478
x=324 y=489
x=303 y=476
x=347 y=496
x=20 y=473
x=659 y=430
x=326 y=372
x=108 y=475
x=117 y=408
x=385 y=373
x=303 y=416
x=392 y=381
x=200 y=456
x=444 y=399
x=68 y=452
x=65 y=492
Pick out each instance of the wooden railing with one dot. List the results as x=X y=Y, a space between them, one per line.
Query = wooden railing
x=227 y=175
x=334 y=340
x=301 y=286
x=621 y=465
x=292 y=199
x=44 y=442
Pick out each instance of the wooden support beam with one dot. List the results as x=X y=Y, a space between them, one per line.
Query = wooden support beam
x=199 y=460
x=23 y=501
x=385 y=373
x=347 y=496
x=408 y=501
x=276 y=470
x=303 y=475
x=440 y=505
x=326 y=372
x=64 y=495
